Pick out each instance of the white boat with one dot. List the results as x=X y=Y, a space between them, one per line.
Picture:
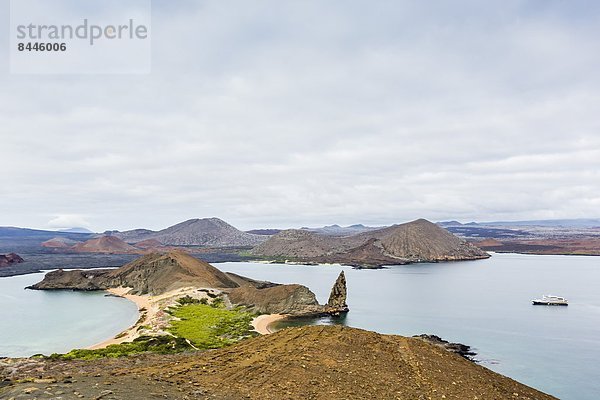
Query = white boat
x=549 y=300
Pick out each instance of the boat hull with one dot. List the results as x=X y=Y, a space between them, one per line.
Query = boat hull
x=548 y=303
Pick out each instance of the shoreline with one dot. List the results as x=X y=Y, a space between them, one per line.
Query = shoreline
x=148 y=309
x=152 y=320
x=145 y=310
x=262 y=323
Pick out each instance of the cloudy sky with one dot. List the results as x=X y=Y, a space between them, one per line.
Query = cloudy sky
x=291 y=113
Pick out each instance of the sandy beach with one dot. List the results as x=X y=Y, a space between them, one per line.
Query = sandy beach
x=262 y=322
x=152 y=316
x=144 y=308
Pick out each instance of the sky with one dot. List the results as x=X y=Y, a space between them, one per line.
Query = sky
x=274 y=114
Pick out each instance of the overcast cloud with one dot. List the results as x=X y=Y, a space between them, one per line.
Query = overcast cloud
x=291 y=113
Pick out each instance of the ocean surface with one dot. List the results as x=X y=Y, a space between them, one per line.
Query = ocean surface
x=485 y=304
x=33 y=322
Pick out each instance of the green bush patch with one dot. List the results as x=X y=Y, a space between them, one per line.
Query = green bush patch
x=211 y=326
x=157 y=344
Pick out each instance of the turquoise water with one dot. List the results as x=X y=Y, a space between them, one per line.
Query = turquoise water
x=485 y=304
x=33 y=322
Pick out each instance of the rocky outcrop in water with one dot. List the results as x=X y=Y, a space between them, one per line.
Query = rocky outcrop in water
x=462 y=350
x=337 y=299
x=10 y=258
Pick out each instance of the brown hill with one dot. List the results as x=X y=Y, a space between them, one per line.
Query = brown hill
x=151 y=274
x=59 y=243
x=300 y=245
x=422 y=240
x=316 y=362
x=105 y=244
x=212 y=232
x=417 y=241
x=159 y=273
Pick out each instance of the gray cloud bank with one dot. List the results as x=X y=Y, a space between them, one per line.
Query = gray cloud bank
x=276 y=114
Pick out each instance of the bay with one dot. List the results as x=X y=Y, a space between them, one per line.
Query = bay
x=46 y=322
x=485 y=304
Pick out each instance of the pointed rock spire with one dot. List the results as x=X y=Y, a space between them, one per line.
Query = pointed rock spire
x=337 y=299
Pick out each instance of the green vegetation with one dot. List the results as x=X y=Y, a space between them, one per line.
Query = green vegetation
x=211 y=326
x=188 y=300
x=203 y=325
x=157 y=344
x=218 y=303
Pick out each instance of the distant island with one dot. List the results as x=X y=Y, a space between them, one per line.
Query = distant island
x=214 y=240
x=413 y=242
x=558 y=237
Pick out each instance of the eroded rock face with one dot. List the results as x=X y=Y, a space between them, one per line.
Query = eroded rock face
x=280 y=299
x=337 y=299
x=294 y=300
x=73 y=280
x=10 y=258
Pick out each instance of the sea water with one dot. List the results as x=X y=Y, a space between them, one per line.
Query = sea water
x=485 y=304
x=46 y=322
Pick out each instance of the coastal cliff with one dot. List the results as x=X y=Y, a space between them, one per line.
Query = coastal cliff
x=280 y=299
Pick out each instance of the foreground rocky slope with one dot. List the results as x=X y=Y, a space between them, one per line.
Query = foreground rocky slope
x=417 y=241
x=157 y=274
x=318 y=362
